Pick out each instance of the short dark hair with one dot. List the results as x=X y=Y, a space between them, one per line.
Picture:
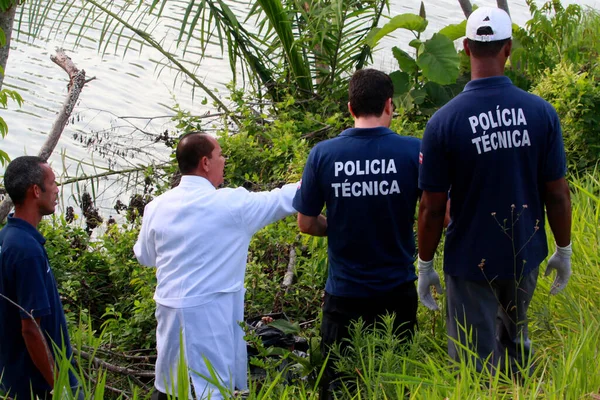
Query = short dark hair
x=368 y=91
x=21 y=174
x=190 y=150
x=486 y=49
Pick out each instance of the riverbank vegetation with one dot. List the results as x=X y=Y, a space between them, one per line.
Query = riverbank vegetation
x=279 y=117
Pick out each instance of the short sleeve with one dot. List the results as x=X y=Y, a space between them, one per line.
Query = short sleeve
x=555 y=165
x=309 y=199
x=433 y=162
x=30 y=286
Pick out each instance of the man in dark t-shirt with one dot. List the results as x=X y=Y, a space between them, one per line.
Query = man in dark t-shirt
x=33 y=322
x=499 y=151
x=367 y=179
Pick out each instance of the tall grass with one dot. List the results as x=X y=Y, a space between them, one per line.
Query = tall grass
x=565 y=330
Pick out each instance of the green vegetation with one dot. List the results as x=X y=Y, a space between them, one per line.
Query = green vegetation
x=108 y=295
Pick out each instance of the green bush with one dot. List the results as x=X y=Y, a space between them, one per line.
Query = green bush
x=576 y=96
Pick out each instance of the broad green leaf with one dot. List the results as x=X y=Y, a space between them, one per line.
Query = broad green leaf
x=412 y=22
x=416 y=43
x=454 y=31
x=285 y=326
x=436 y=93
x=405 y=61
x=3 y=127
x=2 y=38
x=4 y=158
x=404 y=102
x=370 y=39
x=401 y=82
x=439 y=61
x=418 y=96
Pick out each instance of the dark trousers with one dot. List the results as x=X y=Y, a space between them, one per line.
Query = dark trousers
x=490 y=319
x=158 y=395
x=340 y=312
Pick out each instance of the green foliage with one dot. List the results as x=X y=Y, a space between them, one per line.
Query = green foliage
x=7 y=4
x=6 y=94
x=556 y=34
x=427 y=81
x=576 y=96
x=101 y=277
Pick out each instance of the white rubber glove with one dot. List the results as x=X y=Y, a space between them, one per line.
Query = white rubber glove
x=427 y=278
x=561 y=262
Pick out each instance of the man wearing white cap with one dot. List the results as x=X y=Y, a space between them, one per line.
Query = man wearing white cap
x=499 y=151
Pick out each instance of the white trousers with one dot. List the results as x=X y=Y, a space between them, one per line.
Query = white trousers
x=210 y=332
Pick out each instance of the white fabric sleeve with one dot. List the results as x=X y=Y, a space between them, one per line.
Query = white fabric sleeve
x=263 y=208
x=144 y=248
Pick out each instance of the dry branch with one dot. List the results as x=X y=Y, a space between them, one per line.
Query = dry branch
x=503 y=4
x=466 y=7
x=76 y=83
x=288 y=278
x=123 y=393
x=98 y=363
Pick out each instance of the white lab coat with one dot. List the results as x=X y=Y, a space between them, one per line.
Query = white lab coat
x=198 y=237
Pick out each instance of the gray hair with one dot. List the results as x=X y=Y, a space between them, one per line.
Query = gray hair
x=21 y=174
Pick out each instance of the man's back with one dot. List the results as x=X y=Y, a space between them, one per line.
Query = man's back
x=198 y=237
x=494 y=145
x=368 y=180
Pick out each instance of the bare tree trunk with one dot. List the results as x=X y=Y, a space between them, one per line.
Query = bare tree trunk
x=76 y=83
x=466 y=7
x=503 y=4
x=6 y=24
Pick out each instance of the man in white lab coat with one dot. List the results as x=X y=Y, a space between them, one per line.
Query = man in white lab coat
x=197 y=236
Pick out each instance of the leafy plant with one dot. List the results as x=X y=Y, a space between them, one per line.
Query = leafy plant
x=425 y=80
x=5 y=96
x=575 y=94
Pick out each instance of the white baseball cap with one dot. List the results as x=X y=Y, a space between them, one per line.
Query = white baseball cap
x=495 y=19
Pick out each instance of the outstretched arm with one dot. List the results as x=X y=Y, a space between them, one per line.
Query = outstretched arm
x=263 y=208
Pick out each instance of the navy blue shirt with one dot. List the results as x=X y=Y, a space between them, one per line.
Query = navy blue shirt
x=26 y=279
x=494 y=146
x=367 y=178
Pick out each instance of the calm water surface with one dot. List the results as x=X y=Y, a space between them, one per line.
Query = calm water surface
x=140 y=85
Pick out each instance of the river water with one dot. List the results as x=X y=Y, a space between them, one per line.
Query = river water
x=136 y=86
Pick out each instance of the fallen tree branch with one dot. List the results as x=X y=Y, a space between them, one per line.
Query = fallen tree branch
x=98 y=363
x=124 y=355
x=288 y=278
x=466 y=7
x=503 y=4
x=123 y=393
x=76 y=83
x=109 y=173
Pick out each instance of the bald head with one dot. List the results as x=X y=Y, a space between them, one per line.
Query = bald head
x=190 y=150
x=200 y=154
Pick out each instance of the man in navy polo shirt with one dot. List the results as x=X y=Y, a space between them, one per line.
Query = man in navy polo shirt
x=499 y=151
x=367 y=179
x=26 y=362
